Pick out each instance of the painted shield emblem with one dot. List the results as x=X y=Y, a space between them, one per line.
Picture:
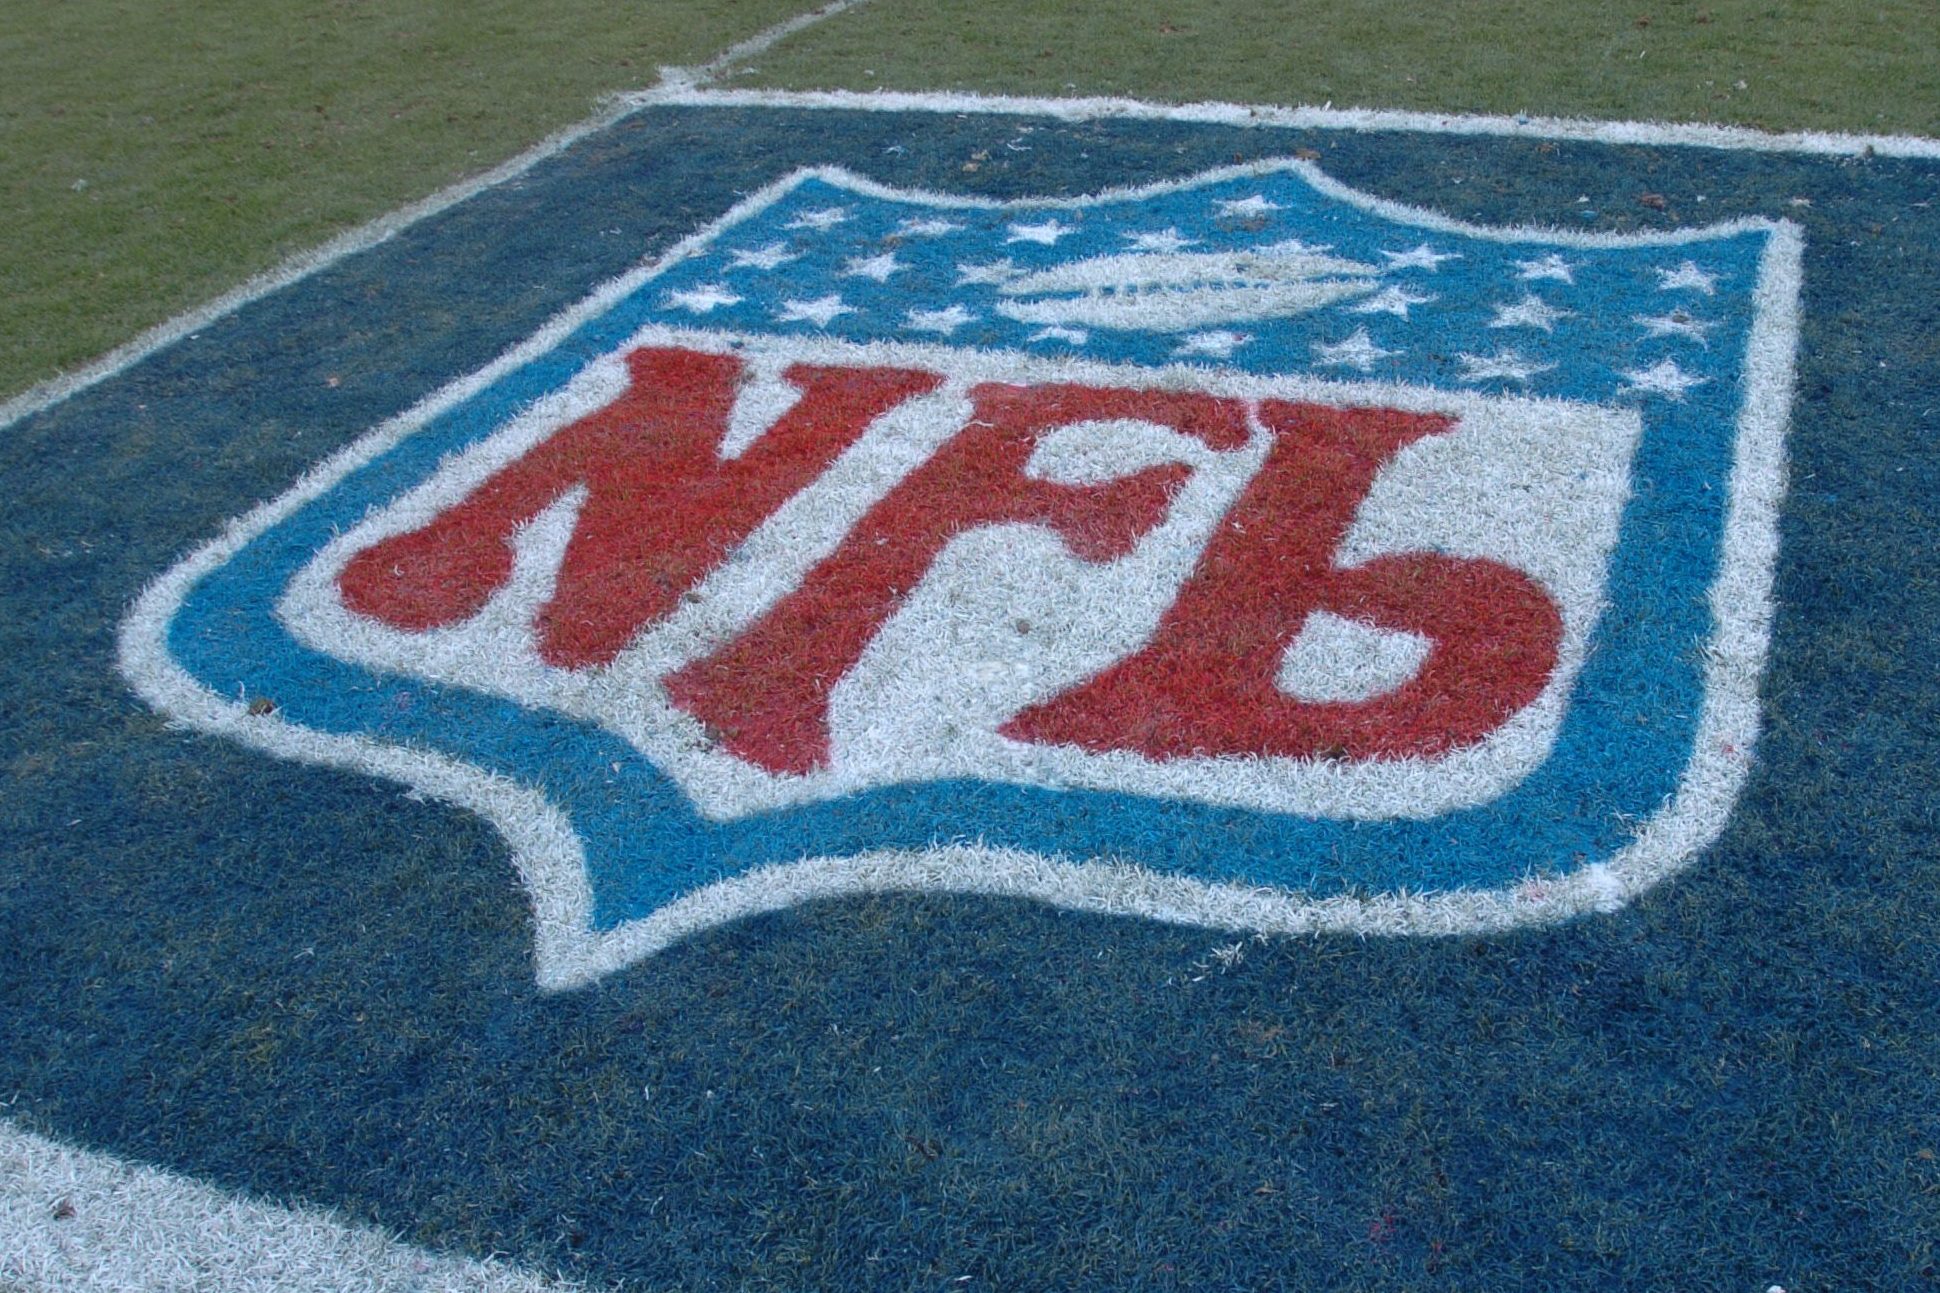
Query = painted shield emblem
x=1246 y=552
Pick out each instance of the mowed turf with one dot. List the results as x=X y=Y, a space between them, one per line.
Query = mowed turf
x=152 y=156
x=1812 y=64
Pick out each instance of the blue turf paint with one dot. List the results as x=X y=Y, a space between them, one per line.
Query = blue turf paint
x=1619 y=755
x=297 y=983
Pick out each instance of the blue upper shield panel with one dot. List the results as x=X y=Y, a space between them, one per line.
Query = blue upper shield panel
x=1164 y=279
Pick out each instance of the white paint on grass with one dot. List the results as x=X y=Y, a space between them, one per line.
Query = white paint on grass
x=1335 y=659
x=611 y=109
x=72 y=1220
x=753 y=47
x=301 y=266
x=1171 y=291
x=1648 y=133
x=569 y=952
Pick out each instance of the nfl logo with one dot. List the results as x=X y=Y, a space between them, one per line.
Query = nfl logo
x=1244 y=551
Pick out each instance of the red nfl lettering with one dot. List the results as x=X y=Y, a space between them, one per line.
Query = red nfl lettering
x=664 y=507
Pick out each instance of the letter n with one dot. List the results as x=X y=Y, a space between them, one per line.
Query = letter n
x=662 y=506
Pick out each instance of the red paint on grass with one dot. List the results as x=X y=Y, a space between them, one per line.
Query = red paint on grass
x=662 y=506
x=1206 y=683
x=766 y=694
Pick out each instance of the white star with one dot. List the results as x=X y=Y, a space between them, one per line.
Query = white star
x=1530 y=312
x=702 y=299
x=876 y=267
x=996 y=272
x=773 y=256
x=824 y=220
x=820 y=312
x=1358 y=351
x=1047 y=233
x=943 y=321
x=1219 y=344
x=926 y=227
x=1505 y=364
x=1073 y=336
x=1687 y=275
x=1247 y=208
x=1550 y=266
x=1662 y=378
x=1421 y=257
x=1165 y=240
x=1393 y=300
x=1676 y=324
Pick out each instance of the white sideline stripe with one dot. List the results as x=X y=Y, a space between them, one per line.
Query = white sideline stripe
x=686 y=87
x=759 y=43
x=77 y=1219
x=1659 y=133
x=298 y=267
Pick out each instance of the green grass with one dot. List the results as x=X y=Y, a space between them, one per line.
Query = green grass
x=1806 y=64
x=153 y=155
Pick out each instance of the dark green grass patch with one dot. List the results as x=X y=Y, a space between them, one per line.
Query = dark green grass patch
x=153 y=155
x=1811 y=64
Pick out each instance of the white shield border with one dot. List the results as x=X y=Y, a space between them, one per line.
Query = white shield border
x=569 y=952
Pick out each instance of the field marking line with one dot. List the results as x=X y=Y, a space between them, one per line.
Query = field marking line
x=759 y=43
x=1652 y=133
x=299 y=266
x=79 y=1219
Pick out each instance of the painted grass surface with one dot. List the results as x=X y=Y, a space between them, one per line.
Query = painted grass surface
x=304 y=985
x=152 y=156
x=1728 y=1087
x=1809 y=64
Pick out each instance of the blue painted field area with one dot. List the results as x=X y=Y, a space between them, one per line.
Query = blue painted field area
x=303 y=984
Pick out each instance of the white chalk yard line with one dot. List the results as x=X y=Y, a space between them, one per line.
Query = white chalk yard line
x=298 y=267
x=753 y=47
x=75 y=1219
x=1654 y=133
